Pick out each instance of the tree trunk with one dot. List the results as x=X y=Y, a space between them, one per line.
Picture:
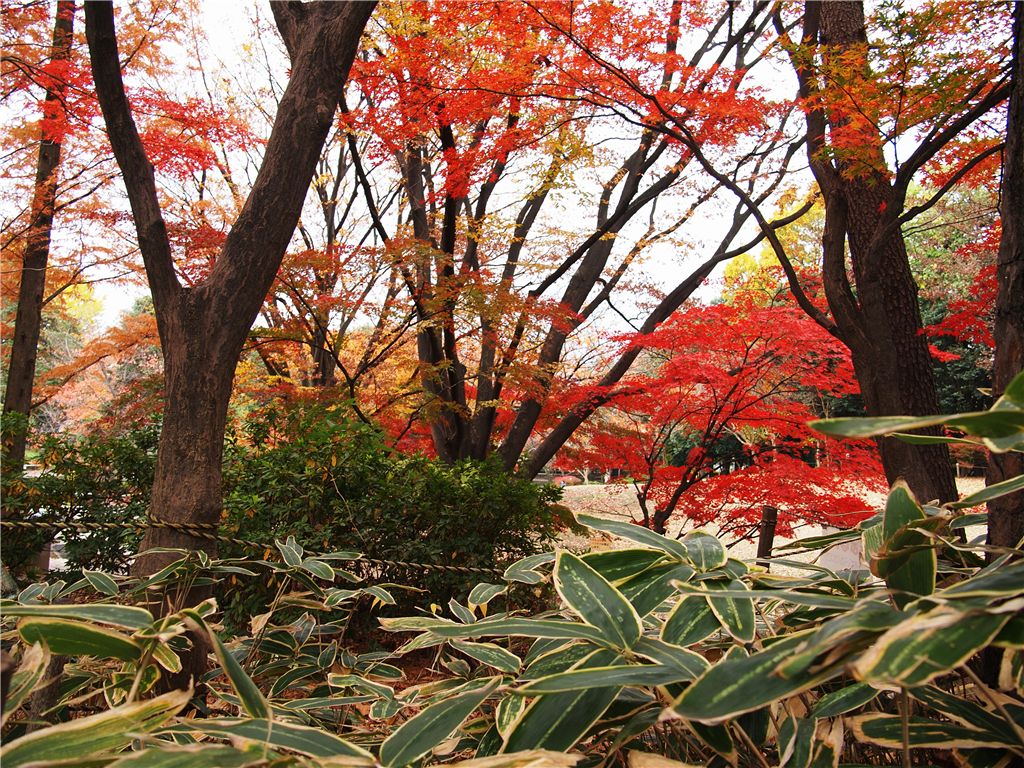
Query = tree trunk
x=202 y=329
x=199 y=368
x=766 y=534
x=879 y=319
x=28 y=320
x=1006 y=515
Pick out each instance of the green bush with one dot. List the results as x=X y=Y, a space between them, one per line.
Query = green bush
x=306 y=471
x=97 y=478
x=332 y=483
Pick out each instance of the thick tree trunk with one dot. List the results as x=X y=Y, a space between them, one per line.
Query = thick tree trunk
x=880 y=319
x=1006 y=515
x=199 y=368
x=28 y=320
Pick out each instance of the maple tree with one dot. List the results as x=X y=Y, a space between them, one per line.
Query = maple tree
x=21 y=370
x=857 y=102
x=500 y=298
x=57 y=157
x=750 y=373
x=851 y=114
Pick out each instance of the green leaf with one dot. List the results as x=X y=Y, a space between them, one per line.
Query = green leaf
x=851 y=630
x=30 y=671
x=796 y=737
x=742 y=684
x=290 y=551
x=462 y=612
x=965 y=521
x=887 y=731
x=508 y=712
x=558 y=720
x=596 y=601
x=637 y=534
x=964 y=711
x=688 y=662
x=312 y=742
x=999 y=579
x=482 y=594
x=190 y=756
x=820 y=542
x=102 y=733
x=166 y=658
x=621 y=675
x=916 y=576
x=618 y=564
x=927 y=645
x=76 y=638
x=1013 y=394
x=524 y=570
x=1001 y=428
x=564 y=630
x=649 y=589
x=253 y=701
x=101 y=582
x=360 y=684
x=844 y=700
x=735 y=613
x=417 y=736
x=318 y=568
x=792 y=596
x=691 y=621
x=994 y=491
x=557 y=660
x=704 y=550
x=490 y=654
x=529 y=758
x=718 y=738
x=126 y=616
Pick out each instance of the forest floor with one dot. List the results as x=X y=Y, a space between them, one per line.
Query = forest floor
x=618 y=501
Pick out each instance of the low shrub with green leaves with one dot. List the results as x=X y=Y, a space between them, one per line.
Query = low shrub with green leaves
x=301 y=470
x=314 y=473
x=96 y=478
x=665 y=653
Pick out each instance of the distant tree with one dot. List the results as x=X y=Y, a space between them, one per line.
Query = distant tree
x=28 y=323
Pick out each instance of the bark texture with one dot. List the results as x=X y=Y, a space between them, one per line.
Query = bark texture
x=28 y=319
x=1006 y=515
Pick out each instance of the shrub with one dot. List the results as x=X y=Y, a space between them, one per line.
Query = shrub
x=98 y=478
x=332 y=483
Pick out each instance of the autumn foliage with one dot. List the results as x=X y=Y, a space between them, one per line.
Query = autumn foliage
x=742 y=373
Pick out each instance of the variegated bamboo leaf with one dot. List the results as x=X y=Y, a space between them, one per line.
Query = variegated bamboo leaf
x=417 y=736
x=596 y=601
x=691 y=621
x=888 y=731
x=925 y=646
x=558 y=720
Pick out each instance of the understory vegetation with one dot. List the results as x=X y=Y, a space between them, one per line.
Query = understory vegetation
x=667 y=652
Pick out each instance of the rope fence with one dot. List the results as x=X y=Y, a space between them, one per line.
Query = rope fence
x=209 y=532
